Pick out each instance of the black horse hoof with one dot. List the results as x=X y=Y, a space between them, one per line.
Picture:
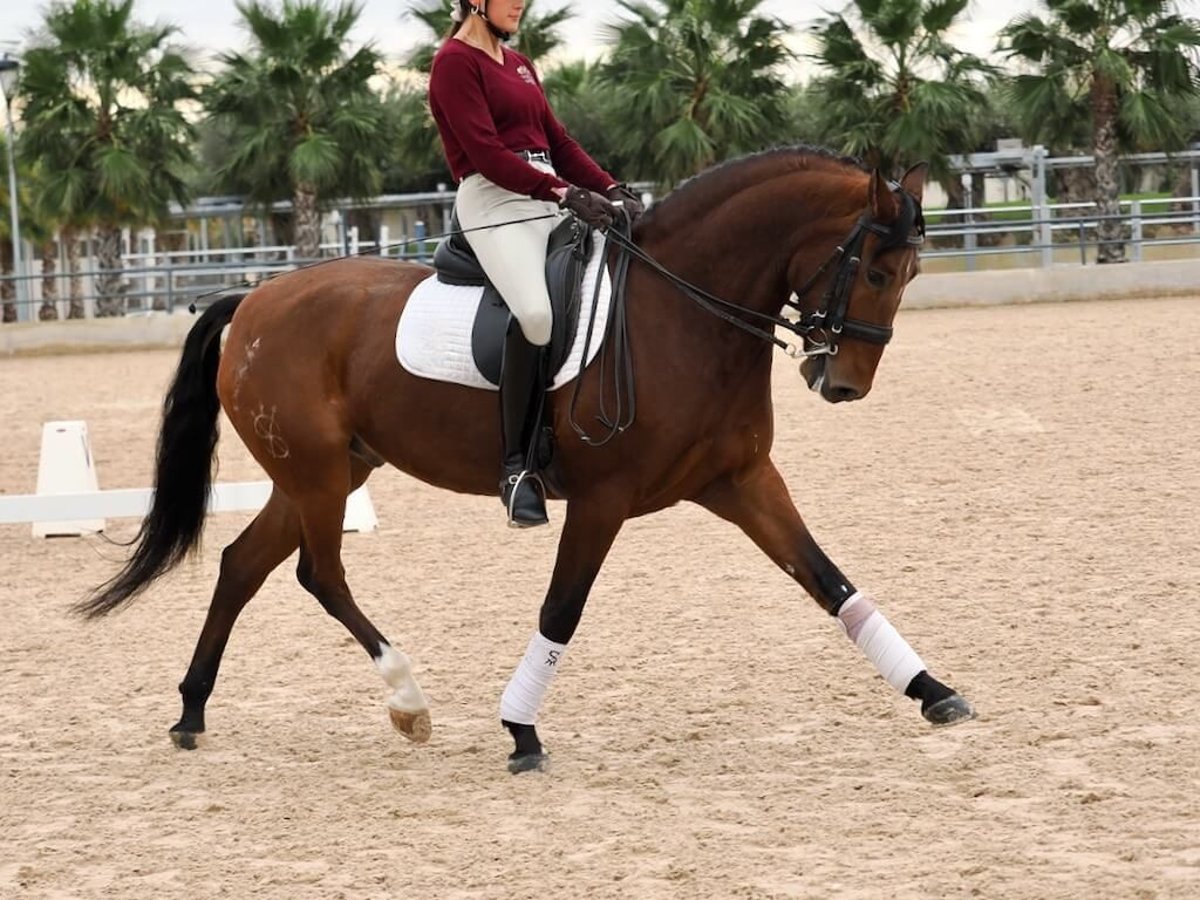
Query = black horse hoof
x=528 y=762
x=949 y=711
x=185 y=740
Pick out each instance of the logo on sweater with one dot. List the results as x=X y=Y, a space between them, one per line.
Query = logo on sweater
x=523 y=71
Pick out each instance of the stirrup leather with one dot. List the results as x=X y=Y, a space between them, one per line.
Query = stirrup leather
x=513 y=483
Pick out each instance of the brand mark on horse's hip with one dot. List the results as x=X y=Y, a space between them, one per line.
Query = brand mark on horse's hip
x=267 y=429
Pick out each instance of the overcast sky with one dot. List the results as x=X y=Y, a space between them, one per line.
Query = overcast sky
x=211 y=25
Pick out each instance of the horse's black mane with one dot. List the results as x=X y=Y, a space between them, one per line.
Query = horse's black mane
x=718 y=181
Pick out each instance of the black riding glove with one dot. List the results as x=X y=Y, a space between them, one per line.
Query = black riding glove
x=589 y=206
x=629 y=200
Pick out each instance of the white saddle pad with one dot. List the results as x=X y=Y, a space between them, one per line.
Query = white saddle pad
x=434 y=336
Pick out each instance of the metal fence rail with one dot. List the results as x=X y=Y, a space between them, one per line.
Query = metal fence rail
x=973 y=237
x=168 y=280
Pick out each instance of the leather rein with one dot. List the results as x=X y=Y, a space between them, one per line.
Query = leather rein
x=819 y=329
x=822 y=327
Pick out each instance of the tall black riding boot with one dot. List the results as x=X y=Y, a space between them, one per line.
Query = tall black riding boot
x=522 y=387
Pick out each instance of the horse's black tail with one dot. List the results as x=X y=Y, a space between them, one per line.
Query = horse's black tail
x=183 y=470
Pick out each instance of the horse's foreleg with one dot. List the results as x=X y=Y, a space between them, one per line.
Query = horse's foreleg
x=757 y=501
x=245 y=564
x=588 y=532
x=321 y=573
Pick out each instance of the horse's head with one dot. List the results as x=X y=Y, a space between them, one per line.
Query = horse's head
x=847 y=300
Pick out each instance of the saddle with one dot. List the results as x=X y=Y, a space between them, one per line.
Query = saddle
x=567 y=254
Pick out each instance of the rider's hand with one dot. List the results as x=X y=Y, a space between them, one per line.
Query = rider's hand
x=590 y=207
x=629 y=200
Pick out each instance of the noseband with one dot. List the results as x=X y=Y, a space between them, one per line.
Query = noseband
x=821 y=328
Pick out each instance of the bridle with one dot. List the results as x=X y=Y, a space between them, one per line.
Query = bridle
x=820 y=329
x=823 y=327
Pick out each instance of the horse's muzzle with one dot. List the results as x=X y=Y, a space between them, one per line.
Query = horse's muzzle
x=839 y=394
x=815 y=370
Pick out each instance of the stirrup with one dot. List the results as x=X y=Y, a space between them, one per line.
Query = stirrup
x=513 y=483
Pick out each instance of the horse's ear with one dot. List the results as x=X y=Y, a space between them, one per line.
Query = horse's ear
x=913 y=181
x=884 y=206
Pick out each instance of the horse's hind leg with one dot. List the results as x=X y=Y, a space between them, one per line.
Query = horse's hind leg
x=320 y=572
x=757 y=501
x=245 y=564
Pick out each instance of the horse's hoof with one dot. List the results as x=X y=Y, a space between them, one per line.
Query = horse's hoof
x=949 y=711
x=416 y=726
x=528 y=762
x=185 y=740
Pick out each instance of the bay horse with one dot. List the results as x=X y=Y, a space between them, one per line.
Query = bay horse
x=310 y=381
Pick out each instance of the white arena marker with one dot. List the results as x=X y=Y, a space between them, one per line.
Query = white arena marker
x=66 y=467
x=69 y=502
x=134 y=503
x=360 y=512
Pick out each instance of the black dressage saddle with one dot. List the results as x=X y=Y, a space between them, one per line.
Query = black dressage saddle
x=567 y=254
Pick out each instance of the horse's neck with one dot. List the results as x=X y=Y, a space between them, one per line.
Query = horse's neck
x=740 y=249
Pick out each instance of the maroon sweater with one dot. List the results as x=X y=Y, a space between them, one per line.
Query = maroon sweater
x=485 y=111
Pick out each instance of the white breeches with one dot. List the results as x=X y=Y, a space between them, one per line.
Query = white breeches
x=512 y=255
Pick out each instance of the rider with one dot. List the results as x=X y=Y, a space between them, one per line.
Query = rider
x=507 y=151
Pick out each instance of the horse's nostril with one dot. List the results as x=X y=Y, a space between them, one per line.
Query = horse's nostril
x=840 y=394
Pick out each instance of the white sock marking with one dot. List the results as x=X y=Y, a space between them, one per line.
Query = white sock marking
x=396 y=669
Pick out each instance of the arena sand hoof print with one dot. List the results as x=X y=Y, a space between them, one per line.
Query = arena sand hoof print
x=416 y=726
x=951 y=710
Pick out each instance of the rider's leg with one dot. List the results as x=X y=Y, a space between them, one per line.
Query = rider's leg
x=522 y=386
x=513 y=255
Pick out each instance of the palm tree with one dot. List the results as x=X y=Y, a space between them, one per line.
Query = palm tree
x=590 y=111
x=304 y=120
x=895 y=90
x=1112 y=66
x=698 y=81
x=416 y=162
x=806 y=119
x=102 y=122
x=40 y=232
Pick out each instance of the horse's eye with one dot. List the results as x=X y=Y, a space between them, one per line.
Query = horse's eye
x=875 y=278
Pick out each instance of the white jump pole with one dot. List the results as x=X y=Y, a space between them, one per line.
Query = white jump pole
x=69 y=502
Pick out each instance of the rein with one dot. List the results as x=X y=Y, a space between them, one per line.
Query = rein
x=372 y=251
x=614 y=352
x=829 y=320
x=819 y=329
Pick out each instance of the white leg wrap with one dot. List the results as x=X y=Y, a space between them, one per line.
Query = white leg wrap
x=523 y=695
x=396 y=669
x=879 y=641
